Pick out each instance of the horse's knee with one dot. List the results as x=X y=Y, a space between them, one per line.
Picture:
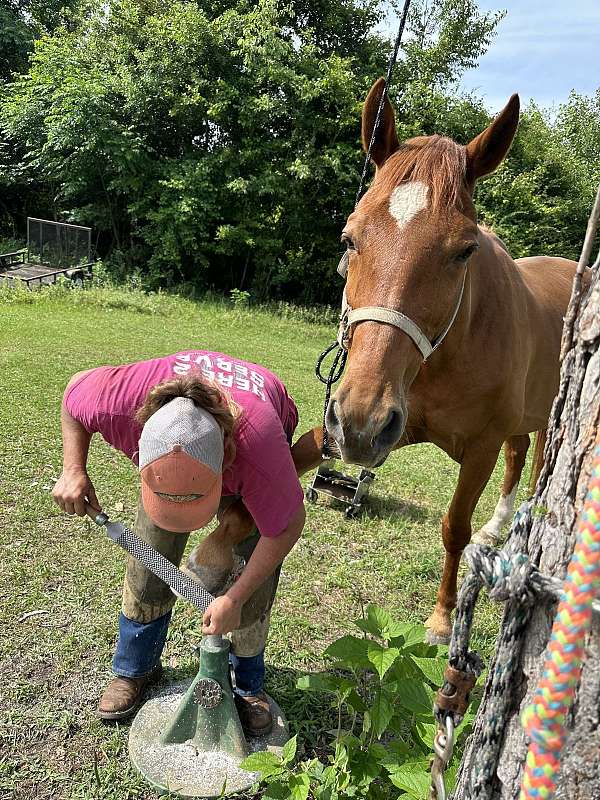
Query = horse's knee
x=307 y=451
x=455 y=535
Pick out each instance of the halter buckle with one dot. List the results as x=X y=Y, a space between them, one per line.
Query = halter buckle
x=344 y=330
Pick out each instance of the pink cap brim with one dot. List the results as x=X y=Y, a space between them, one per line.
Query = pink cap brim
x=181 y=517
x=178 y=474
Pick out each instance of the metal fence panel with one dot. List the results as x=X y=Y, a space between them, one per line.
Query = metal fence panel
x=58 y=244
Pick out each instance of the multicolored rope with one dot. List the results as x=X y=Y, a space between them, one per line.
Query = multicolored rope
x=545 y=719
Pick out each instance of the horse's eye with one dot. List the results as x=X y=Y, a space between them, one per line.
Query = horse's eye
x=349 y=242
x=466 y=253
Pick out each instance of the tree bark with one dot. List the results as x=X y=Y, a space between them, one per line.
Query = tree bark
x=572 y=436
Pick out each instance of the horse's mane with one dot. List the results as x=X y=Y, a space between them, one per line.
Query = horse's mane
x=491 y=232
x=435 y=160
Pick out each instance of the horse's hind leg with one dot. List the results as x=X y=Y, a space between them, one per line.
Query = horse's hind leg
x=475 y=470
x=515 y=452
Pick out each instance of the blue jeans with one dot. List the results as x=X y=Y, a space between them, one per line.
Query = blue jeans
x=140 y=646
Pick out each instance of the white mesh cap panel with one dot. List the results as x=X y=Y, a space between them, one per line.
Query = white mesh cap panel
x=181 y=422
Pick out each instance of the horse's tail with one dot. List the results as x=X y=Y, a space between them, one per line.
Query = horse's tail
x=538 y=458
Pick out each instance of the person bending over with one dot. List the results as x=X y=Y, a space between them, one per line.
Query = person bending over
x=211 y=436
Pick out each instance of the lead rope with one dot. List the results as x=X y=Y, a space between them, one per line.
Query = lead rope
x=545 y=719
x=335 y=373
x=510 y=577
x=339 y=360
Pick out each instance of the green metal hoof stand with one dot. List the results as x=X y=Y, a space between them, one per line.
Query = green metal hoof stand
x=188 y=740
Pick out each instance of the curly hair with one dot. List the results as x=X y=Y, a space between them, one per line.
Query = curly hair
x=205 y=395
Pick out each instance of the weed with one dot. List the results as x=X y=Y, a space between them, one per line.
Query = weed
x=381 y=686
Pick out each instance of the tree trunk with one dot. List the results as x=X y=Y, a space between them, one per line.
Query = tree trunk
x=573 y=434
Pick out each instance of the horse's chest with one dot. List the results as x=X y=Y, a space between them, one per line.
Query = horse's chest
x=450 y=414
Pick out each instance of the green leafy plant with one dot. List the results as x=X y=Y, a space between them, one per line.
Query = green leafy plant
x=240 y=299
x=382 y=685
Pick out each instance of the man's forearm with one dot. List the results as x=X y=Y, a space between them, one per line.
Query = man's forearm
x=267 y=556
x=76 y=441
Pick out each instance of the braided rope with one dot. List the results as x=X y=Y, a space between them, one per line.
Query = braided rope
x=545 y=719
x=510 y=577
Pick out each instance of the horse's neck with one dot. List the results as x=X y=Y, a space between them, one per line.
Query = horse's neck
x=496 y=283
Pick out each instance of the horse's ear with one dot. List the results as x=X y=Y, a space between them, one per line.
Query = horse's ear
x=386 y=139
x=487 y=150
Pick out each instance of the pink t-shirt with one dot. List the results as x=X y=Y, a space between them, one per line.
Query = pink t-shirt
x=105 y=400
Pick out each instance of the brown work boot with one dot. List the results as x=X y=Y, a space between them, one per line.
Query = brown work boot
x=123 y=696
x=255 y=714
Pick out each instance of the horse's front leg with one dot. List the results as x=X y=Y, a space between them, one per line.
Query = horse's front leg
x=476 y=467
x=307 y=450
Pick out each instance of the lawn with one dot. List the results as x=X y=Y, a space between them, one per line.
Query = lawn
x=55 y=664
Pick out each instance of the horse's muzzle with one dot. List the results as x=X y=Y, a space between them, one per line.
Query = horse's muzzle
x=370 y=442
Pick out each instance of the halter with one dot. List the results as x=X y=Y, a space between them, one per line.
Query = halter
x=351 y=316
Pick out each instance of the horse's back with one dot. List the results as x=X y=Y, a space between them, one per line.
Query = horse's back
x=550 y=280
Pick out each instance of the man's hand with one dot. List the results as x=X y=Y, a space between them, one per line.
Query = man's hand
x=222 y=616
x=74 y=490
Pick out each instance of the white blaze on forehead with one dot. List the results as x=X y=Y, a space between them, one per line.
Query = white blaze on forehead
x=407 y=200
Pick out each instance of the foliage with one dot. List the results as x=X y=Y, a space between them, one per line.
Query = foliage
x=15 y=40
x=382 y=687
x=21 y=21
x=539 y=199
x=448 y=37
x=239 y=298
x=216 y=144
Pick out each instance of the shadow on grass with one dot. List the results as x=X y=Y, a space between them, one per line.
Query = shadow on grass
x=389 y=508
x=394 y=507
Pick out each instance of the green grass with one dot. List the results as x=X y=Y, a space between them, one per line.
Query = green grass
x=55 y=665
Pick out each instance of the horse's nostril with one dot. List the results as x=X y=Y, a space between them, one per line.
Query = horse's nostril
x=332 y=421
x=391 y=431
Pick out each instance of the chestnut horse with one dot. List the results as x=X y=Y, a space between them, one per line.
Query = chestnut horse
x=477 y=363
x=450 y=341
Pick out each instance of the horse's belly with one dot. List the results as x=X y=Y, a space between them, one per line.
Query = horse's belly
x=549 y=281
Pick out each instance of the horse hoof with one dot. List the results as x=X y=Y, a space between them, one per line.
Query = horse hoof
x=487 y=537
x=438 y=629
x=431 y=637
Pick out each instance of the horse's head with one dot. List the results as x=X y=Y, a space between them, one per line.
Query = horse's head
x=409 y=243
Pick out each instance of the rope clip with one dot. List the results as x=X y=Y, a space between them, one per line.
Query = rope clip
x=443 y=746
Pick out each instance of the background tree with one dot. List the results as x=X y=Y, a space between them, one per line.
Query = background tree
x=21 y=22
x=217 y=144
x=211 y=144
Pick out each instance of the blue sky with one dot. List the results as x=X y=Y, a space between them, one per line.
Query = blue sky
x=542 y=50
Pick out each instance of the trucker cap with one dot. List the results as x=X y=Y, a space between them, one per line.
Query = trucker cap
x=181 y=466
